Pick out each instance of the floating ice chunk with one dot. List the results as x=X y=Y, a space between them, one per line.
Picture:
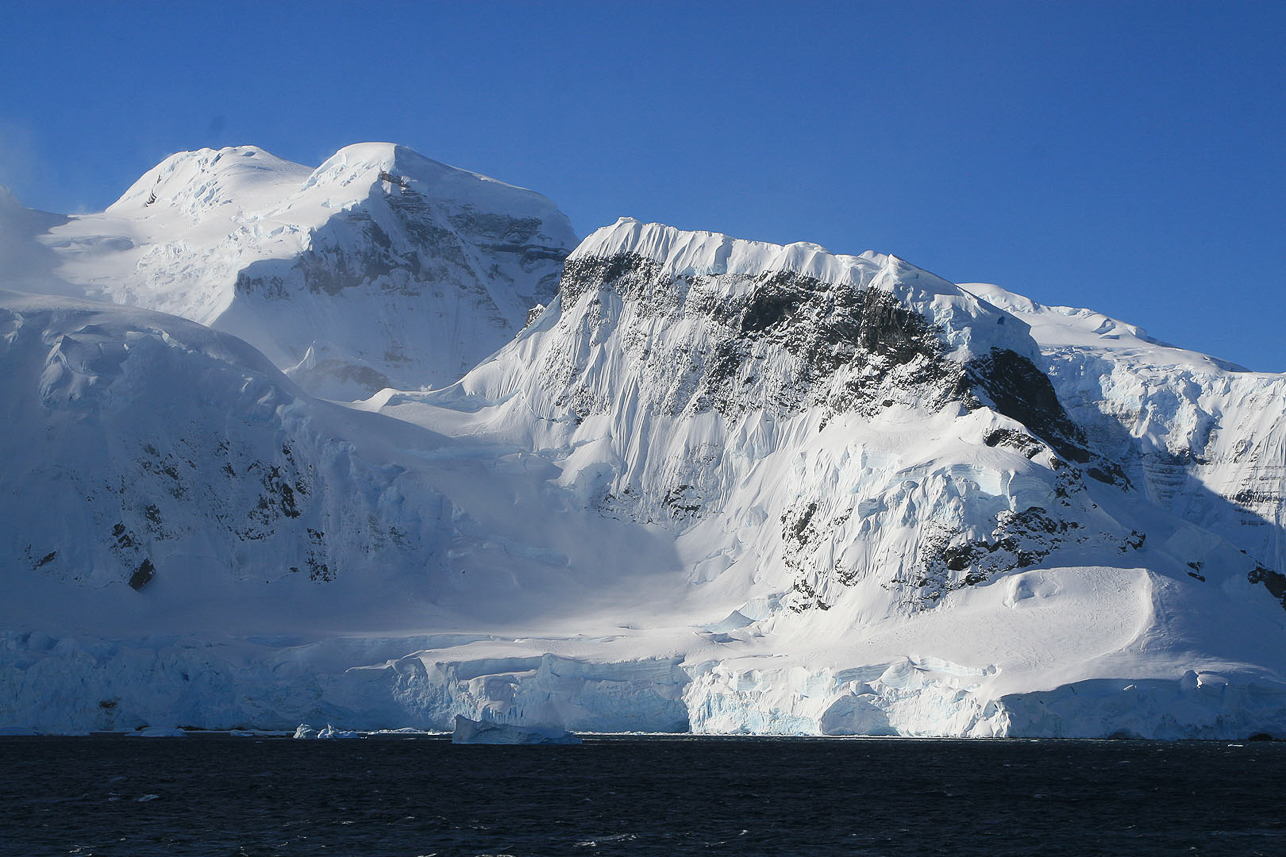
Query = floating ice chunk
x=328 y=733
x=486 y=732
x=157 y=732
x=856 y=714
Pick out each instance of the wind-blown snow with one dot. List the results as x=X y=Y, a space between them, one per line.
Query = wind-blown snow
x=25 y=263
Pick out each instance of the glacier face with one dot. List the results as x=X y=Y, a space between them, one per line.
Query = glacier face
x=712 y=485
x=378 y=268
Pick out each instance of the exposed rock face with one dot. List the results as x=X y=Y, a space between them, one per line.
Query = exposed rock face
x=1199 y=437
x=690 y=377
x=1021 y=391
x=841 y=346
x=379 y=268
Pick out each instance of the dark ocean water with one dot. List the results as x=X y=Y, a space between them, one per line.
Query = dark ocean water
x=405 y=797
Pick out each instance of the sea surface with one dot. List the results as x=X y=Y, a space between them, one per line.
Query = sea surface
x=409 y=796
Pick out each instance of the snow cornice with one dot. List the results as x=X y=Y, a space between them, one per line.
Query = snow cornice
x=684 y=253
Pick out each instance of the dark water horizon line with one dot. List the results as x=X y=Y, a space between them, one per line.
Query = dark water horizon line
x=214 y=794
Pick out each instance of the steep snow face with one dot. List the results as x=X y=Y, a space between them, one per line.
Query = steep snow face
x=378 y=268
x=827 y=430
x=1202 y=437
x=148 y=456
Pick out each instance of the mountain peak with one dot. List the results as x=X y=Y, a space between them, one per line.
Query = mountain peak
x=970 y=327
x=207 y=177
x=363 y=164
x=687 y=253
x=327 y=270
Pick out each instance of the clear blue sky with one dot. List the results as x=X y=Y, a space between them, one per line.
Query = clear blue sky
x=1126 y=156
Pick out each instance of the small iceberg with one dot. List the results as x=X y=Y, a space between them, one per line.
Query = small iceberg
x=327 y=734
x=486 y=732
x=157 y=732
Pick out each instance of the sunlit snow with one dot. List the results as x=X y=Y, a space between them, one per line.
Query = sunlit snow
x=709 y=485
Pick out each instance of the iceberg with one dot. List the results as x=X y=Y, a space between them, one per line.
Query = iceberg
x=157 y=732
x=488 y=732
x=329 y=733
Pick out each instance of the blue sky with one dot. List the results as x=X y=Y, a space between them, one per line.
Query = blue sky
x=1130 y=157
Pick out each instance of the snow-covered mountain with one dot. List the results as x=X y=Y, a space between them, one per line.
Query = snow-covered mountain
x=687 y=376
x=378 y=268
x=1199 y=436
x=168 y=487
x=860 y=446
x=714 y=485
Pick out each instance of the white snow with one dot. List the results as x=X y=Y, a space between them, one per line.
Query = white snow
x=593 y=530
x=380 y=267
x=1205 y=438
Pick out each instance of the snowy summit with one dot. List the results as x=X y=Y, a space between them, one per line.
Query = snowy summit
x=378 y=268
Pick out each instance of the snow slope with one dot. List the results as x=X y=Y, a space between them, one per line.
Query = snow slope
x=147 y=454
x=25 y=263
x=380 y=267
x=1202 y=437
x=855 y=446
x=715 y=485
